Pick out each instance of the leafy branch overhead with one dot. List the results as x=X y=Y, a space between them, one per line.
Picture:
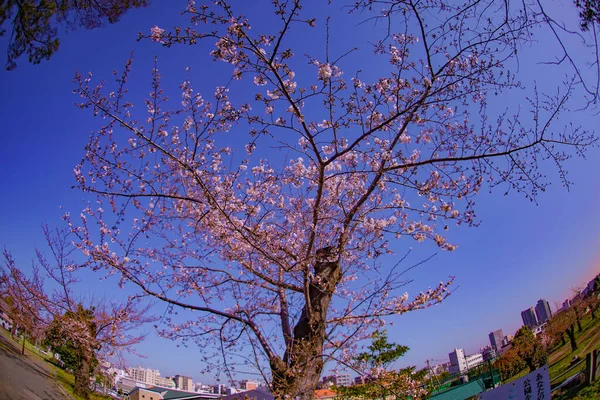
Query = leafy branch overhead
x=34 y=23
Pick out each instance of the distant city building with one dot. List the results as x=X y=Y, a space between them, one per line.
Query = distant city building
x=504 y=349
x=261 y=393
x=247 y=385
x=5 y=320
x=489 y=353
x=539 y=329
x=337 y=380
x=127 y=384
x=474 y=360
x=458 y=364
x=359 y=380
x=115 y=375
x=343 y=380
x=566 y=304
x=542 y=311
x=496 y=339
x=164 y=382
x=202 y=388
x=224 y=390
x=219 y=389
x=438 y=369
x=145 y=375
x=158 y=393
x=529 y=318
x=183 y=382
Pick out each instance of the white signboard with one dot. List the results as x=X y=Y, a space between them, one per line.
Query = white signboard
x=534 y=386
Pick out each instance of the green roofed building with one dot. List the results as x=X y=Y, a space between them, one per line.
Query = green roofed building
x=160 y=393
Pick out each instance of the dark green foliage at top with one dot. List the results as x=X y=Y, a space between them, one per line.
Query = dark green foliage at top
x=381 y=353
x=530 y=348
x=400 y=384
x=589 y=12
x=34 y=23
x=72 y=349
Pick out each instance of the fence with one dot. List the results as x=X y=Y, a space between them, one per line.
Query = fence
x=580 y=374
x=468 y=383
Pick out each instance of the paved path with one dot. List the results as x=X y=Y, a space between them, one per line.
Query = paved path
x=24 y=378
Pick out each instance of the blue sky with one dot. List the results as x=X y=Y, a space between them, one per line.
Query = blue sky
x=521 y=251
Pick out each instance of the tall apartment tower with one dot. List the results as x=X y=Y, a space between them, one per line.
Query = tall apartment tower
x=496 y=339
x=529 y=318
x=542 y=311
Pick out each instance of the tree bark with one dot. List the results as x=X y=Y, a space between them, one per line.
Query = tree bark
x=297 y=375
x=530 y=364
x=82 y=379
x=572 y=339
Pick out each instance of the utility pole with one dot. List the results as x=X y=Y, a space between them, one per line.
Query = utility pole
x=431 y=372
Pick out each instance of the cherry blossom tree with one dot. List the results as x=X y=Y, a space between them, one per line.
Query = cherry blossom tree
x=24 y=307
x=277 y=242
x=93 y=329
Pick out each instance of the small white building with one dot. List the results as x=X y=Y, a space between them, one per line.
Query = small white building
x=474 y=360
x=458 y=363
x=5 y=321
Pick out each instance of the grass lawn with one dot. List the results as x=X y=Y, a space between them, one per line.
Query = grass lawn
x=64 y=378
x=560 y=359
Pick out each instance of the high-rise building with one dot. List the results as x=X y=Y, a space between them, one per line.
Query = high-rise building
x=542 y=311
x=529 y=318
x=458 y=363
x=183 y=382
x=496 y=339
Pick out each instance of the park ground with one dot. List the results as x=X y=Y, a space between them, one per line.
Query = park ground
x=561 y=365
x=31 y=376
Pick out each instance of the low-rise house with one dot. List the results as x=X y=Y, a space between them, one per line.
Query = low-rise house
x=260 y=393
x=160 y=393
x=325 y=394
x=5 y=321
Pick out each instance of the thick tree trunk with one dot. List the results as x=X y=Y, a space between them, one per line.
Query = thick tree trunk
x=297 y=375
x=572 y=339
x=82 y=379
